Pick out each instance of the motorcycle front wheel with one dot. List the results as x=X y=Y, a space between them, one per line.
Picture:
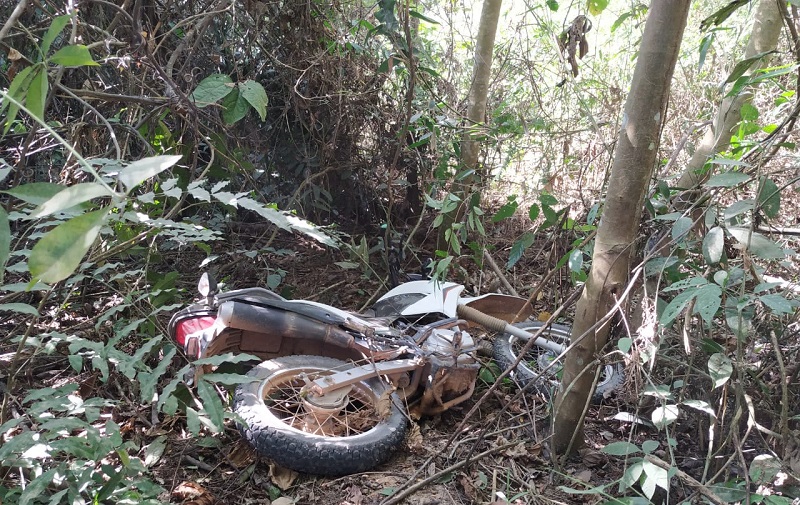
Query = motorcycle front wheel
x=531 y=368
x=355 y=436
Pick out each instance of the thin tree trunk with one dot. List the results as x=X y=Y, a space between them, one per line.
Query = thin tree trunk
x=630 y=175
x=476 y=112
x=763 y=38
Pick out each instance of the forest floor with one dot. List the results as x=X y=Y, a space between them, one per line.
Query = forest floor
x=500 y=454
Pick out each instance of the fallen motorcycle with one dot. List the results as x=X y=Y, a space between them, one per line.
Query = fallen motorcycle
x=334 y=391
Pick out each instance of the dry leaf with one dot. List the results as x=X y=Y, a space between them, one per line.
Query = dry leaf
x=241 y=455
x=14 y=55
x=414 y=440
x=282 y=477
x=584 y=475
x=469 y=488
x=544 y=316
x=384 y=405
x=283 y=500
x=354 y=495
x=592 y=458
x=194 y=492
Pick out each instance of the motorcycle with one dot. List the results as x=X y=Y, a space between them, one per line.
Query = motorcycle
x=334 y=390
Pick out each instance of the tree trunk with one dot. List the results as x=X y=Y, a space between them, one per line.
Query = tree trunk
x=763 y=38
x=476 y=112
x=633 y=164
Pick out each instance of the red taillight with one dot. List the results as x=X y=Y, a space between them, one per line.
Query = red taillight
x=189 y=326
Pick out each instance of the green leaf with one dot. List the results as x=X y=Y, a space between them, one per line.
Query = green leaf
x=234 y=107
x=506 y=210
x=649 y=446
x=654 y=476
x=777 y=303
x=714 y=245
x=518 y=248
x=720 y=368
x=705 y=45
x=211 y=403
x=676 y=306
x=707 y=302
x=737 y=208
x=596 y=6
x=552 y=5
x=59 y=252
x=631 y=476
x=533 y=212
x=415 y=14
x=22 y=308
x=620 y=448
x=228 y=379
x=727 y=179
x=576 y=260
x=35 y=193
x=700 y=405
x=73 y=56
x=5 y=241
x=37 y=93
x=154 y=450
x=722 y=14
x=17 y=91
x=70 y=197
x=255 y=95
x=56 y=26
x=758 y=244
x=664 y=415
x=141 y=170
x=212 y=89
x=769 y=197
x=749 y=112
x=681 y=228
x=624 y=344
x=226 y=358
x=744 y=65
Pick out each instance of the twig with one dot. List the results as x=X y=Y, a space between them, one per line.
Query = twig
x=397 y=498
x=688 y=479
x=199 y=464
x=18 y=10
x=499 y=273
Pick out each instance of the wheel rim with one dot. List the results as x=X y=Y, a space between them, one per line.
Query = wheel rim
x=284 y=397
x=538 y=359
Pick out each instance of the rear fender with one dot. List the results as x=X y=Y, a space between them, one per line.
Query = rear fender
x=511 y=309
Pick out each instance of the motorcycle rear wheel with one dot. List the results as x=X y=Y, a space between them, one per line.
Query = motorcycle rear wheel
x=507 y=347
x=279 y=426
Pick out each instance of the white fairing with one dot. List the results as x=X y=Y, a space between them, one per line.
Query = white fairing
x=433 y=297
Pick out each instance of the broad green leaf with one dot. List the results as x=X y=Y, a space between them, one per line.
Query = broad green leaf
x=506 y=210
x=737 y=208
x=228 y=379
x=37 y=486
x=57 y=255
x=757 y=244
x=654 y=476
x=22 y=308
x=272 y=215
x=37 y=93
x=705 y=45
x=533 y=212
x=255 y=95
x=418 y=15
x=4 y=172
x=631 y=476
x=769 y=197
x=649 y=446
x=624 y=344
x=141 y=170
x=749 y=112
x=764 y=468
x=154 y=450
x=664 y=415
x=518 y=248
x=56 y=26
x=777 y=303
x=727 y=179
x=707 y=302
x=70 y=197
x=720 y=368
x=743 y=66
x=576 y=260
x=552 y=5
x=5 y=241
x=196 y=190
x=212 y=89
x=597 y=6
x=714 y=245
x=234 y=107
x=35 y=193
x=676 y=306
x=17 y=91
x=211 y=403
x=681 y=228
x=77 y=55
x=700 y=405
x=620 y=448
x=226 y=358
